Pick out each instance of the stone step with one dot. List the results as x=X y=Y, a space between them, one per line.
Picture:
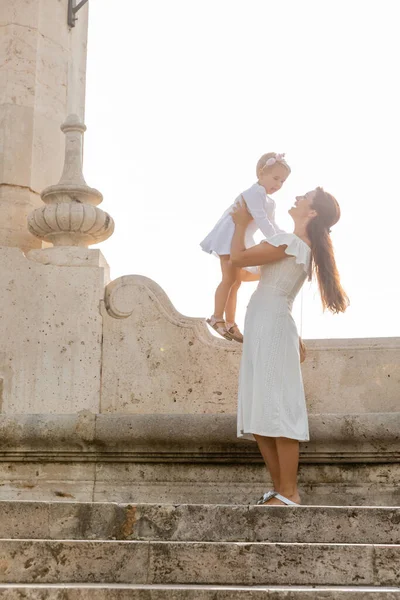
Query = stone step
x=159 y=592
x=59 y=561
x=208 y=523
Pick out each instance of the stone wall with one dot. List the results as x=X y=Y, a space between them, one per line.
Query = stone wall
x=109 y=394
x=67 y=346
x=51 y=333
x=42 y=79
x=351 y=459
x=155 y=360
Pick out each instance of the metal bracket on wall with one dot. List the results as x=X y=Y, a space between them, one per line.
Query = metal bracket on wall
x=73 y=9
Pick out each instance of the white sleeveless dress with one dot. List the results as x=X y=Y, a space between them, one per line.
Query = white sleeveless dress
x=271 y=393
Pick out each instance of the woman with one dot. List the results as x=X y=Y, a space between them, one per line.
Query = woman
x=272 y=407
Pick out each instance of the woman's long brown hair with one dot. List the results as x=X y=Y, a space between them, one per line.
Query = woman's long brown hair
x=323 y=263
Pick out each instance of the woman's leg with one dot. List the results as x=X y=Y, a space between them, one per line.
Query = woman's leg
x=267 y=447
x=288 y=458
x=222 y=292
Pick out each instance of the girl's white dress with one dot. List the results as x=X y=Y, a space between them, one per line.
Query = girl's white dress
x=262 y=209
x=271 y=394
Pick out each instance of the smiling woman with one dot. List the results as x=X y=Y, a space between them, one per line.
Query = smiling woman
x=272 y=408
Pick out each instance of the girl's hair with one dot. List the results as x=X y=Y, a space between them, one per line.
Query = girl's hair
x=323 y=262
x=262 y=166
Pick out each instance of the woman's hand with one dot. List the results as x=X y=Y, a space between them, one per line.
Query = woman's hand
x=240 y=214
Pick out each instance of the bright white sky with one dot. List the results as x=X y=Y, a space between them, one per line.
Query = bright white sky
x=184 y=96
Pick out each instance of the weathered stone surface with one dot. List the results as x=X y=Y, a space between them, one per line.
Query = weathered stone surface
x=15 y=206
x=23 y=561
x=83 y=521
x=194 y=522
x=347 y=438
x=386 y=564
x=191 y=371
x=197 y=562
x=144 y=458
x=42 y=79
x=186 y=592
x=331 y=485
x=178 y=354
x=50 y=359
x=24 y=520
x=47 y=481
x=372 y=485
x=206 y=523
x=69 y=215
x=266 y=524
x=250 y=564
x=340 y=485
x=188 y=569
x=180 y=358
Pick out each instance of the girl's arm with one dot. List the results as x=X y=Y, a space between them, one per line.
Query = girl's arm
x=261 y=254
x=255 y=202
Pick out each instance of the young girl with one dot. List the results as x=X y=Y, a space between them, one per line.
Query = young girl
x=272 y=171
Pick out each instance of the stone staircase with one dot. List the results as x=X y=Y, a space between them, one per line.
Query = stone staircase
x=79 y=551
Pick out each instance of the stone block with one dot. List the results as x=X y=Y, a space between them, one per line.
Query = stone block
x=145 y=458
x=24 y=520
x=42 y=79
x=35 y=561
x=193 y=372
x=197 y=592
x=193 y=592
x=16 y=139
x=386 y=565
x=52 y=354
x=189 y=522
x=89 y=521
x=199 y=522
x=47 y=481
x=262 y=564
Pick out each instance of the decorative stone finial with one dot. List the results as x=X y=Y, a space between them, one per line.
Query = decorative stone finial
x=71 y=216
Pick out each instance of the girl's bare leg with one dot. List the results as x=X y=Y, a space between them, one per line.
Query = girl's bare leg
x=230 y=307
x=229 y=275
x=267 y=447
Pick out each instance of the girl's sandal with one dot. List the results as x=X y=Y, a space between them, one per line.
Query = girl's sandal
x=220 y=327
x=235 y=333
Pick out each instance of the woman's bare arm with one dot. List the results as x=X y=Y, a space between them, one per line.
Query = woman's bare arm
x=261 y=254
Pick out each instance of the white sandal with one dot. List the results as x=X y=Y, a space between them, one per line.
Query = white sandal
x=285 y=500
x=267 y=496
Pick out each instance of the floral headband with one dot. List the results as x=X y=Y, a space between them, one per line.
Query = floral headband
x=274 y=159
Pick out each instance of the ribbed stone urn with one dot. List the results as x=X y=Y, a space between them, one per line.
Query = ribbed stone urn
x=70 y=216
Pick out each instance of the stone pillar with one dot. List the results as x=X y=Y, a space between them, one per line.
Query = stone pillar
x=70 y=216
x=50 y=322
x=42 y=79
